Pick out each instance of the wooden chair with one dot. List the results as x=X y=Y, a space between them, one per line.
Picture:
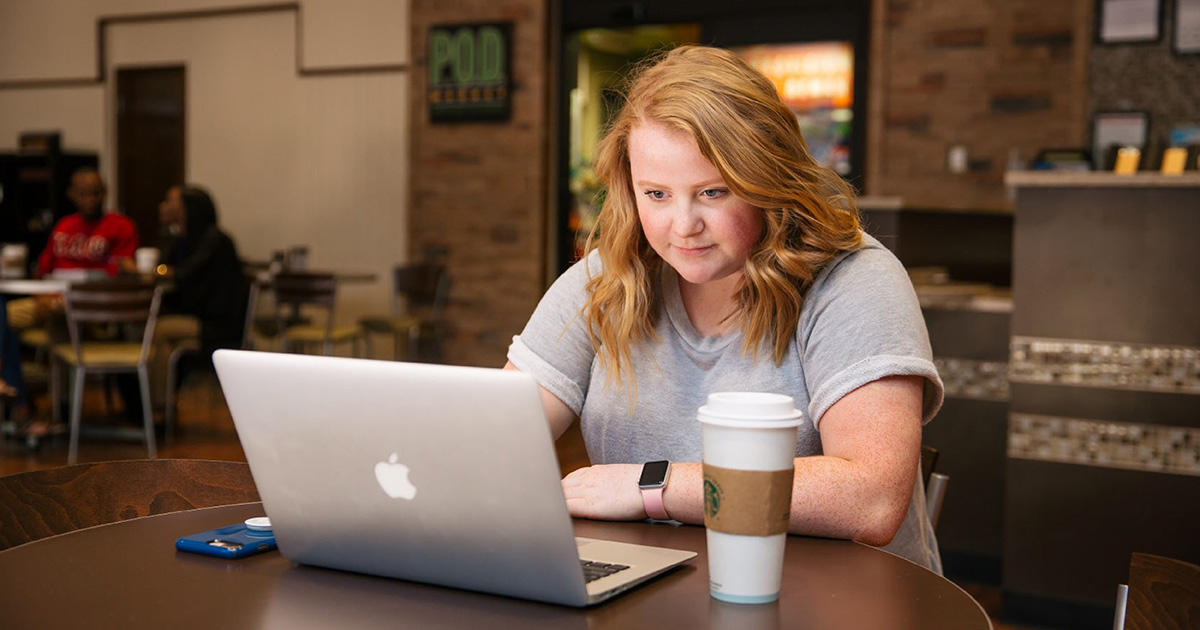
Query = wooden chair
x=1163 y=594
x=175 y=335
x=419 y=296
x=191 y=347
x=43 y=503
x=294 y=290
x=122 y=303
x=935 y=484
x=929 y=457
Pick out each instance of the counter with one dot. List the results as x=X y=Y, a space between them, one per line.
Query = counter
x=1104 y=368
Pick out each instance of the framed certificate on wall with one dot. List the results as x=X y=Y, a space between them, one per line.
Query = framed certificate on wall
x=1186 y=38
x=1128 y=21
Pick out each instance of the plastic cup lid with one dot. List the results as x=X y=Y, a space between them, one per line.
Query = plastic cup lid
x=750 y=407
x=259 y=524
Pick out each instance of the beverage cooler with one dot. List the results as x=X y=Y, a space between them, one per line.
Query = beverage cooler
x=814 y=52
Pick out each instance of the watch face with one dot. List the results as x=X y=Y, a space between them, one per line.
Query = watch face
x=654 y=474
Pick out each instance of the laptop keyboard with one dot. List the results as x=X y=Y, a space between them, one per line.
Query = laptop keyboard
x=596 y=570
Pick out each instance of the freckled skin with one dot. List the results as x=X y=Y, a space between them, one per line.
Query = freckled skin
x=859 y=489
x=689 y=216
x=692 y=221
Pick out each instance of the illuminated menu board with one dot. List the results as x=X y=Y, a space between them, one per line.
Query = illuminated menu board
x=470 y=72
x=815 y=80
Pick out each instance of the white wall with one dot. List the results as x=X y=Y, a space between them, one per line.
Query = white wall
x=318 y=160
x=79 y=112
x=42 y=39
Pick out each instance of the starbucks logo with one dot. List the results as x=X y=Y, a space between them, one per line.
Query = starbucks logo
x=712 y=498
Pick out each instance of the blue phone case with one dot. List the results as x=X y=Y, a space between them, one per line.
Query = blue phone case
x=233 y=541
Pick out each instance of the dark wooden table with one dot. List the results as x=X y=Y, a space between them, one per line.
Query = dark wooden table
x=128 y=575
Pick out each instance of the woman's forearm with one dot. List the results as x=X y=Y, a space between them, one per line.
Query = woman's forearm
x=860 y=489
x=831 y=497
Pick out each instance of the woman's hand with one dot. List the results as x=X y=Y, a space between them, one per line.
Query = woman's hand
x=607 y=493
x=126 y=265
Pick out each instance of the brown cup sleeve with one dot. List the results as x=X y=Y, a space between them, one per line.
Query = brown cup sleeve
x=747 y=502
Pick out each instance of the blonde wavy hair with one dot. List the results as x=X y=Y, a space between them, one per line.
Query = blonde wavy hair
x=753 y=139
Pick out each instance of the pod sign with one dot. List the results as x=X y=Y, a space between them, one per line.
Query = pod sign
x=470 y=72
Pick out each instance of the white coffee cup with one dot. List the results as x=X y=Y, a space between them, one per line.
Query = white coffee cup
x=12 y=260
x=146 y=259
x=749 y=442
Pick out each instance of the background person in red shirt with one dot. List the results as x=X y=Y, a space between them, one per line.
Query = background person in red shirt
x=90 y=238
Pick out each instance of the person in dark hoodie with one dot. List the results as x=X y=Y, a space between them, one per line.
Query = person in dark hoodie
x=207 y=272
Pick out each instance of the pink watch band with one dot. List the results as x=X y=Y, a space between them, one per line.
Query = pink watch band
x=652 y=499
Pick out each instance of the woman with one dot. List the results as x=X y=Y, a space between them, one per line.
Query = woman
x=726 y=259
x=207 y=272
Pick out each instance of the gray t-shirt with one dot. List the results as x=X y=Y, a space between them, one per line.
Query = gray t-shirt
x=859 y=322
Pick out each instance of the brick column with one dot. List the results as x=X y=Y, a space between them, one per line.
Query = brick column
x=479 y=189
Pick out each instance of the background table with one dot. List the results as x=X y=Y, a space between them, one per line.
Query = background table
x=128 y=575
x=32 y=287
x=263 y=276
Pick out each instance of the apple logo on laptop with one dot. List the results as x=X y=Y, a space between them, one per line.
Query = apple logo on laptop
x=393 y=478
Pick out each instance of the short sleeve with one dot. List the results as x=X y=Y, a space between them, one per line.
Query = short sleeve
x=861 y=323
x=555 y=348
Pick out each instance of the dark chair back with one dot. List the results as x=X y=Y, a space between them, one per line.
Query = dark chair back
x=1164 y=594
x=251 y=309
x=929 y=457
x=122 y=301
x=43 y=503
x=295 y=289
x=424 y=286
x=934 y=483
x=112 y=302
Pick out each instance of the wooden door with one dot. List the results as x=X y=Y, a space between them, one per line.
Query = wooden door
x=150 y=142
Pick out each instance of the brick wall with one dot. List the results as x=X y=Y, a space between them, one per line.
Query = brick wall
x=991 y=76
x=479 y=189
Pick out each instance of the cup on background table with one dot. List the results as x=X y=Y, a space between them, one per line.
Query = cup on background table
x=749 y=442
x=296 y=258
x=146 y=259
x=12 y=260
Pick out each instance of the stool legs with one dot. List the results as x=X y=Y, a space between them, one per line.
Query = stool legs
x=80 y=375
x=147 y=411
x=55 y=391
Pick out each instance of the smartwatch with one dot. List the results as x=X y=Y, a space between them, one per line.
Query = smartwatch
x=652 y=483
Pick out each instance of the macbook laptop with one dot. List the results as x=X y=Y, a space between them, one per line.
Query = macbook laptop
x=431 y=473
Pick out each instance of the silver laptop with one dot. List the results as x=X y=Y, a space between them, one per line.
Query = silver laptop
x=437 y=474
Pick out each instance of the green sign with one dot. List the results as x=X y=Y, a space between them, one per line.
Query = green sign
x=470 y=72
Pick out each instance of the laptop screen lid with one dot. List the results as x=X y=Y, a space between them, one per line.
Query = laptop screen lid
x=431 y=473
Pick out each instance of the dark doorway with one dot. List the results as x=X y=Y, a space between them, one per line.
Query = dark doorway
x=150 y=142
